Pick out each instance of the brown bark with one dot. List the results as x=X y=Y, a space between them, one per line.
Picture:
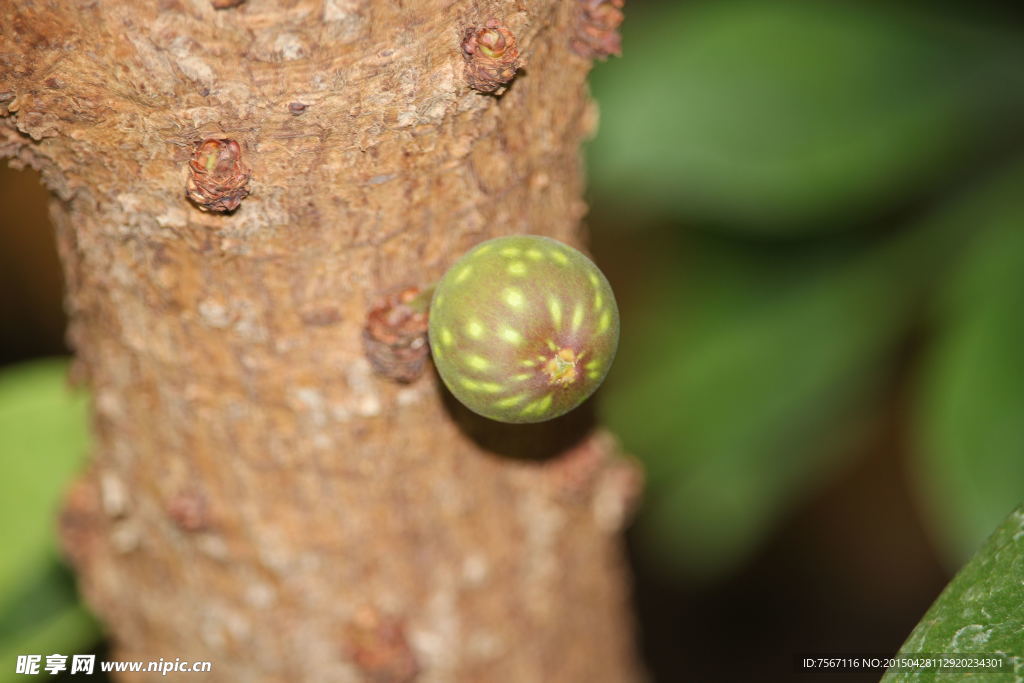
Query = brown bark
x=258 y=498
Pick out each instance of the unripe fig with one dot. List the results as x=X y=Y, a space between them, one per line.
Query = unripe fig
x=523 y=328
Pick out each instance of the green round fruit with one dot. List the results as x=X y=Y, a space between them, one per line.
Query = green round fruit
x=523 y=328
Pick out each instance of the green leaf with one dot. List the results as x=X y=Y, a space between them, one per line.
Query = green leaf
x=970 y=423
x=740 y=379
x=737 y=388
x=45 y=617
x=43 y=441
x=980 y=612
x=789 y=116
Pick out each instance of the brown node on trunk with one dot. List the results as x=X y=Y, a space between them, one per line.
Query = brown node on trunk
x=225 y=4
x=80 y=522
x=577 y=471
x=395 y=335
x=597 y=29
x=378 y=646
x=189 y=511
x=491 y=54
x=218 y=180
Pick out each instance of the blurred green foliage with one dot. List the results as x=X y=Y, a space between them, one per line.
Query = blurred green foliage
x=761 y=361
x=837 y=170
x=44 y=443
x=792 y=116
x=981 y=612
x=971 y=421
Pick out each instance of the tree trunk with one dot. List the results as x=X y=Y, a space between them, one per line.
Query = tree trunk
x=258 y=498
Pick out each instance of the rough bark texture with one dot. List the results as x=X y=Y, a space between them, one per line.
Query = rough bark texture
x=257 y=497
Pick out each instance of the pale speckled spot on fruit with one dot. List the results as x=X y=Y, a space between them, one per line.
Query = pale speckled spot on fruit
x=514 y=298
x=522 y=377
x=593 y=365
x=447 y=338
x=577 y=317
x=605 y=322
x=535 y=254
x=529 y=363
x=483 y=387
x=475 y=329
x=463 y=273
x=510 y=401
x=438 y=301
x=594 y=280
x=538 y=406
x=511 y=252
x=593 y=374
x=598 y=301
x=510 y=335
x=555 y=309
x=559 y=257
x=483 y=249
x=477 y=362
x=517 y=268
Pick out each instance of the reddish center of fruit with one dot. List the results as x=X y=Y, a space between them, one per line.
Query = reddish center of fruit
x=561 y=368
